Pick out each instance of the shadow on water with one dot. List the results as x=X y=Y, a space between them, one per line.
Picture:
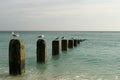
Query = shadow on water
x=56 y=57
x=41 y=67
x=11 y=77
x=55 y=61
x=64 y=52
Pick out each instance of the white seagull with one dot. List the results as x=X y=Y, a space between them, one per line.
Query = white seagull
x=41 y=36
x=15 y=34
x=72 y=38
x=56 y=38
x=63 y=37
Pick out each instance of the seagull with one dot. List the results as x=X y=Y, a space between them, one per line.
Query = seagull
x=72 y=38
x=15 y=34
x=63 y=37
x=41 y=36
x=56 y=38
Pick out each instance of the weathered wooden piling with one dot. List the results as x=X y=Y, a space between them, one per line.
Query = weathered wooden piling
x=64 y=44
x=70 y=43
x=16 y=57
x=81 y=40
x=41 y=51
x=75 y=42
x=55 y=47
x=78 y=41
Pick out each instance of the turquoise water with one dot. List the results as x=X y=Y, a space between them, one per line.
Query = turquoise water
x=97 y=58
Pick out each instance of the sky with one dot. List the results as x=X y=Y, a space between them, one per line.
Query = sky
x=75 y=15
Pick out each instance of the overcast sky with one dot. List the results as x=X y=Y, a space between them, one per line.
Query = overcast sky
x=87 y=15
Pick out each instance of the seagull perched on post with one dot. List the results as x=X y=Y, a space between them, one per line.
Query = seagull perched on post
x=56 y=38
x=63 y=37
x=41 y=36
x=72 y=38
x=15 y=34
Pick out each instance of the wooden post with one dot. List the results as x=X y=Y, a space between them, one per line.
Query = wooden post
x=55 y=47
x=64 y=44
x=78 y=41
x=41 y=51
x=70 y=43
x=75 y=42
x=81 y=40
x=16 y=57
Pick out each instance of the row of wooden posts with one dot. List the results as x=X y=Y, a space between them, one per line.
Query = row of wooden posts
x=17 y=52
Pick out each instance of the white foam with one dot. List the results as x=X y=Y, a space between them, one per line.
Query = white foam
x=84 y=79
x=99 y=79
x=116 y=77
x=77 y=76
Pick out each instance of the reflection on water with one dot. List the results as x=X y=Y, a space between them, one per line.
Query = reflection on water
x=41 y=68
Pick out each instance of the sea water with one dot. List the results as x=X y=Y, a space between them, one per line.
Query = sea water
x=97 y=58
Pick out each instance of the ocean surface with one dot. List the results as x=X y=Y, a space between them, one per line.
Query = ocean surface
x=97 y=58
